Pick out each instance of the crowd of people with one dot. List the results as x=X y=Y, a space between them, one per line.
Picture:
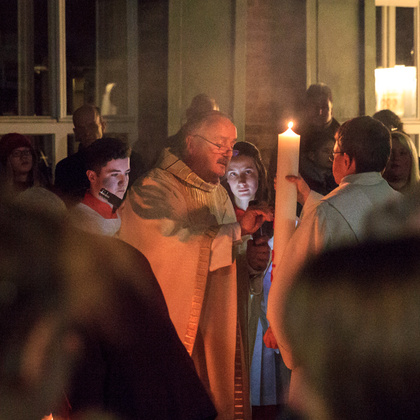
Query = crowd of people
x=147 y=293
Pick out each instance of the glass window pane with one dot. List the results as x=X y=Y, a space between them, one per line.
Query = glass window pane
x=24 y=81
x=96 y=54
x=404 y=36
x=8 y=58
x=80 y=53
x=379 y=56
x=396 y=82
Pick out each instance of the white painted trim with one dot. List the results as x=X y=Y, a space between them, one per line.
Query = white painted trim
x=62 y=66
x=59 y=124
x=397 y=3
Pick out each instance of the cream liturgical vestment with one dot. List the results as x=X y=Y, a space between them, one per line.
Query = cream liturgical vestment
x=327 y=222
x=187 y=229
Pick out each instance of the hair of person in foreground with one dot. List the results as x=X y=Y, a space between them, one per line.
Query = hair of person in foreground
x=81 y=318
x=352 y=318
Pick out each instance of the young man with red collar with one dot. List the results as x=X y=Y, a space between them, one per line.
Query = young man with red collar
x=108 y=167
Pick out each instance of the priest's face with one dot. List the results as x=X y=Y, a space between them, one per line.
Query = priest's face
x=209 y=148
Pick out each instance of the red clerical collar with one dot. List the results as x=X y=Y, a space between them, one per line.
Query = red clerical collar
x=104 y=209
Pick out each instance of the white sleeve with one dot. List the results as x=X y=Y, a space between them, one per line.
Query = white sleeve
x=226 y=237
x=307 y=240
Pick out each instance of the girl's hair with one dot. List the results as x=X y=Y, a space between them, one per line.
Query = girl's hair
x=245 y=148
x=406 y=142
x=389 y=119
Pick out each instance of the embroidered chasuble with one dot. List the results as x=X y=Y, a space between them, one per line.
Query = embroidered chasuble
x=187 y=230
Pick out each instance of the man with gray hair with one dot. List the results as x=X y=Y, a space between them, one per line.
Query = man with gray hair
x=181 y=218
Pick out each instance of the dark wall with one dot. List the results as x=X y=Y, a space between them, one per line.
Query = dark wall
x=276 y=68
x=153 y=77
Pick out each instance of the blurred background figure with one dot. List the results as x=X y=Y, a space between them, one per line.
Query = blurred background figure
x=200 y=104
x=402 y=170
x=315 y=164
x=352 y=319
x=316 y=116
x=70 y=173
x=19 y=164
x=88 y=124
x=246 y=179
x=84 y=326
x=389 y=119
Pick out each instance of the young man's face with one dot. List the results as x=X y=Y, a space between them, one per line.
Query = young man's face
x=113 y=177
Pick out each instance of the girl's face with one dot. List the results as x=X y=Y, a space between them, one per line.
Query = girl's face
x=242 y=176
x=21 y=160
x=399 y=164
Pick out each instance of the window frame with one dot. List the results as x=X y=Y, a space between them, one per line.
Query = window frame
x=411 y=125
x=59 y=124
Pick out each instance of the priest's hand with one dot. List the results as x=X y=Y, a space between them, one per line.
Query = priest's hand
x=254 y=217
x=302 y=187
x=258 y=253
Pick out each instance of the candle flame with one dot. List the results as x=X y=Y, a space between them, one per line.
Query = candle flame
x=290 y=125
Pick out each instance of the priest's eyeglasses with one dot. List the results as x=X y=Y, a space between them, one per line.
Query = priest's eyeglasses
x=223 y=150
x=332 y=155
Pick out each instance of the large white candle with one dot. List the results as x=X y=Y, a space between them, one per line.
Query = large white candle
x=286 y=193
